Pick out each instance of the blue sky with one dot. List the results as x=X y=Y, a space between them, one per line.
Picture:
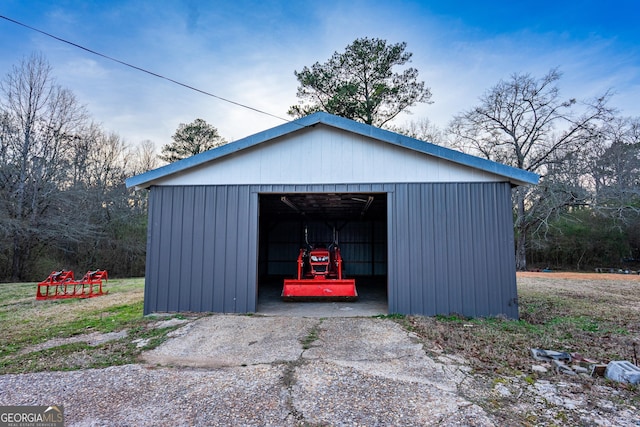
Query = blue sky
x=247 y=51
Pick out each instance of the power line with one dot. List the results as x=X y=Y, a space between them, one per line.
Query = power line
x=143 y=70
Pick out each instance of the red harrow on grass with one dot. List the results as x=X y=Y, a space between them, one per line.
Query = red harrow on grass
x=61 y=285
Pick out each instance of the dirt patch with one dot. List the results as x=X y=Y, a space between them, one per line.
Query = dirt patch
x=97 y=338
x=93 y=339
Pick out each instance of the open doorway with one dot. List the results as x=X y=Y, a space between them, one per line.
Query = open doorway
x=358 y=221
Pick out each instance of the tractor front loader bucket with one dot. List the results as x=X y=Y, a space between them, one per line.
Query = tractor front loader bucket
x=319 y=290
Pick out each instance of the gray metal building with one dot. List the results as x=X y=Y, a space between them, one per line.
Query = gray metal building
x=433 y=225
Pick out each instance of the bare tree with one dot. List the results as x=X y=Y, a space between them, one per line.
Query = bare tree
x=599 y=225
x=63 y=201
x=114 y=217
x=422 y=129
x=145 y=158
x=42 y=119
x=523 y=122
x=614 y=169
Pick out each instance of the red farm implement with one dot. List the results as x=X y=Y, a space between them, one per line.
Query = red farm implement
x=320 y=277
x=61 y=285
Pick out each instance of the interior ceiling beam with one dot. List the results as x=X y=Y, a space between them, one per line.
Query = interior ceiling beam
x=324 y=206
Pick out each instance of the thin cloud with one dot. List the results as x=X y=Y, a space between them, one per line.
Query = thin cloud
x=248 y=51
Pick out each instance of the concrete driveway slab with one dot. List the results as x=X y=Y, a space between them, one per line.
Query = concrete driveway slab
x=381 y=347
x=231 y=340
x=329 y=394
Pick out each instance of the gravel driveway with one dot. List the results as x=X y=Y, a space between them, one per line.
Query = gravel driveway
x=264 y=371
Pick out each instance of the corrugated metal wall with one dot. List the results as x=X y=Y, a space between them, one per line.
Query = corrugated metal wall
x=449 y=247
x=201 y=249
x=451 y=250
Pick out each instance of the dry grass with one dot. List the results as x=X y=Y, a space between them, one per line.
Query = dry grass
x=596 y=315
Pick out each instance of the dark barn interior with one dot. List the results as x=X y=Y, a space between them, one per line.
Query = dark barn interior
x=357 y=222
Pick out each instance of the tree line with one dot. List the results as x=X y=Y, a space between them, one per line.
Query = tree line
x=63 y=201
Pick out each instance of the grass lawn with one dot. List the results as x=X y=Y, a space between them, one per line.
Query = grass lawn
x=29 y=325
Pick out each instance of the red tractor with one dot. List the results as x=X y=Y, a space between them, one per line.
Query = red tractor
x=320 y=277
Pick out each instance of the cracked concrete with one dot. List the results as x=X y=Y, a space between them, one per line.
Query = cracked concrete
x=334 y=371
x=230 y=370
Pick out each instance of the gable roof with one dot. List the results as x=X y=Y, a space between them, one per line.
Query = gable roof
x=514 y=175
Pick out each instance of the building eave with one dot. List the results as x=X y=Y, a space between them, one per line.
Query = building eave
x=514 y=175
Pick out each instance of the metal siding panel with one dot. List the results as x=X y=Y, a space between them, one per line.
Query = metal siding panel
x=358 y=247
x=378 y=247
x=339 y=188
x=425 y=238
x=402 y=254
x=459 y=265
x=357 y=188
x=508 y=264
x=486 y=252
x=220 y=249
x=430 y=247
x=454 y=242
x=282 y=248
x=242 y=255
x=416 y=283
x=200 y=241
x=368 y=160
x=490 y=249
x=175 y=249
x=150 y=263
x=495 y=286
x=152 y=256
x=476 y=253
x=480 y=225
x=198 y=263
x=441 y=240
x=164 y=248
x=467 y=276
x=392 y=299
x=233 y=224
x=186 y=253
x=447 y=246
x=420 y=208
x=281 y=148
x=252 y=254
x=208 y=252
